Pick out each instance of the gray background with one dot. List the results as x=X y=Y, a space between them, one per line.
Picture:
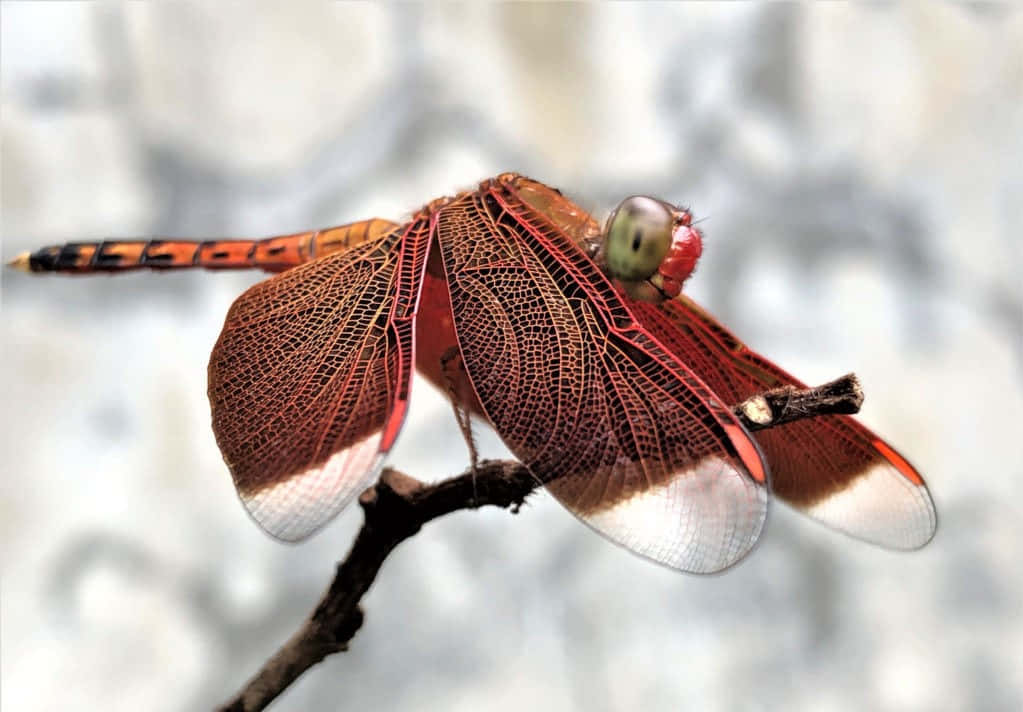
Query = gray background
x=860 y=173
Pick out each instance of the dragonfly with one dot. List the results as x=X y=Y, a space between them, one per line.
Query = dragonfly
x=572 y=338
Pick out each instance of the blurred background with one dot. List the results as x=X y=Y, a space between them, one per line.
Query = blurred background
x=859 y=171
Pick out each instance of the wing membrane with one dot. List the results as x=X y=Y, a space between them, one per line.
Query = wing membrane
x=832 y=468
x=309 y=380
x=616 y=428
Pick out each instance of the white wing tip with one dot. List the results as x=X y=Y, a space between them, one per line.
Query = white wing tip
x=298 y=507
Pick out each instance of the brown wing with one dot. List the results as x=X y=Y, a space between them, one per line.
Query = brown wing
x=618 y=429
x=832 y=467
x=309 y=380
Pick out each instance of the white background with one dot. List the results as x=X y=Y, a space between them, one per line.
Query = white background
x=860 y=173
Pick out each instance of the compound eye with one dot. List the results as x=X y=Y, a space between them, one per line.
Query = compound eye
x=638 y=237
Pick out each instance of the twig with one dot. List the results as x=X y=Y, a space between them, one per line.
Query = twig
x=397 y=506
x=783 y=405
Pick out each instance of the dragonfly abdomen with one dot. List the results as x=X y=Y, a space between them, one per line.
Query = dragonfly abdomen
x=118 y=255
x=273 y=254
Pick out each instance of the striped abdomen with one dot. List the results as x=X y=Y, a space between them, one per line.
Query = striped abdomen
x=273 y=254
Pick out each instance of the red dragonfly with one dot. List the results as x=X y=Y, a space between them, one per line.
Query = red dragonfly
x=574 y=341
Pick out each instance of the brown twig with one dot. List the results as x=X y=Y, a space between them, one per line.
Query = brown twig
x=397 y=506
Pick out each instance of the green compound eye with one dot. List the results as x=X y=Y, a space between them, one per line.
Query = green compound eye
x=638 y=238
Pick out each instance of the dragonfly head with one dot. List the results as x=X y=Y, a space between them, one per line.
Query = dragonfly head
x=651 y=247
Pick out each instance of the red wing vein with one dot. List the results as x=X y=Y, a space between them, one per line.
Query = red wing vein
x=829 y=466
x=303 y=400
x=303 y=382
x=647 y=462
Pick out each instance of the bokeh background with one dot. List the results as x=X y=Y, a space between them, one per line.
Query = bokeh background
x=859 y=170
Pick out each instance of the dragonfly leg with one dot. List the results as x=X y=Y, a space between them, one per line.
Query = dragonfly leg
x=450 y=361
